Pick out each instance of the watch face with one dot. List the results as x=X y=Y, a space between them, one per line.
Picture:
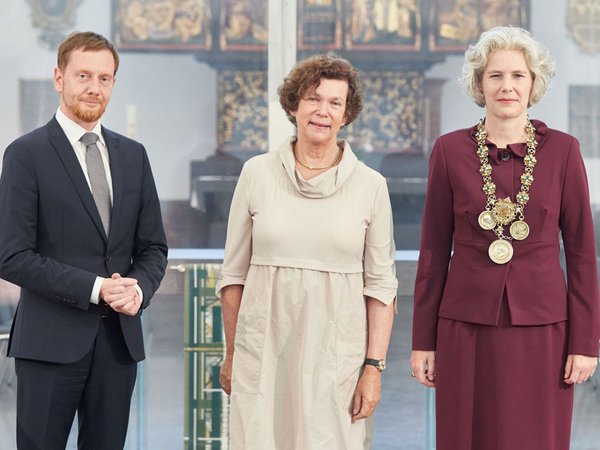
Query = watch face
x=381 y=365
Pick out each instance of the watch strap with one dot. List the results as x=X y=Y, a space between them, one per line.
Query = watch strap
x=378 y=363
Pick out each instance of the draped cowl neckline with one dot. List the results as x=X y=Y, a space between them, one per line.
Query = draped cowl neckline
x=324 y=184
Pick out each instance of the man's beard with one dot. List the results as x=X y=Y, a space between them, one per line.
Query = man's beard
x=86 y=115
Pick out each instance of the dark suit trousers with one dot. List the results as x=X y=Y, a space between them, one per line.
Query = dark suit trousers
x=98 y=388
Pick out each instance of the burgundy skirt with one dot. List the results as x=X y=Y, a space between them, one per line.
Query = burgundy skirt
x=501 y=388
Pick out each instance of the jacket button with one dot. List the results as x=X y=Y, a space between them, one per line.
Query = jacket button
x=108 y=258
x=505 y=156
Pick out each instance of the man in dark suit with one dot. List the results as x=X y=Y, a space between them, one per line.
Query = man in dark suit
x=81 y=234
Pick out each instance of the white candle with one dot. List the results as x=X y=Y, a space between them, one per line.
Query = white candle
x=131 y=121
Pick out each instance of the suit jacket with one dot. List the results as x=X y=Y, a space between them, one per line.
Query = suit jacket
x=467 y=285
x=53 y=245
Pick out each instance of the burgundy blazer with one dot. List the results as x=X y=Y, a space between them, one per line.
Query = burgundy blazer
x=465 y=284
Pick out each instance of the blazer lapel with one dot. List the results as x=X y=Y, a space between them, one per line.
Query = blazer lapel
x=65 y=151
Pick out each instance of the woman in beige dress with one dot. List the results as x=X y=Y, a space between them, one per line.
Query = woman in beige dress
x=308 y=281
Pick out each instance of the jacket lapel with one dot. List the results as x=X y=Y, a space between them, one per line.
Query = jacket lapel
x=65 y=151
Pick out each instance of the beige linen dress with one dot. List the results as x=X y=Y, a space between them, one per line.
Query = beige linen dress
x=307 y=252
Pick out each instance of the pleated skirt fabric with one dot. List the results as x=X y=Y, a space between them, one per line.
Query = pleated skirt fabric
x=300 y=345
x=501 y=388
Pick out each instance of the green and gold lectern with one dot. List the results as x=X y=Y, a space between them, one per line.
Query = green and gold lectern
x=206 y=406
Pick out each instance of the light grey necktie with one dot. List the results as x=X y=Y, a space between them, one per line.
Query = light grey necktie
x=97 y=175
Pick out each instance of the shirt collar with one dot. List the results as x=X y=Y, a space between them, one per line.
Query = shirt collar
x=518 y=149
x=74 y=131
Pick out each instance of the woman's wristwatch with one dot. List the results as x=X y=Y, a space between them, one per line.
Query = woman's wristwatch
x=378 y=363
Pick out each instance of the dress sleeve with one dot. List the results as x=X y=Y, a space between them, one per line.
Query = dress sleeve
x=380 y=251
x=238 y=245
x=437 y=229
x=580 y=250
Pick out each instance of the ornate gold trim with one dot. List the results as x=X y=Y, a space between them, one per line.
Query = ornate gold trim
x=53 y=19
x=583 y=23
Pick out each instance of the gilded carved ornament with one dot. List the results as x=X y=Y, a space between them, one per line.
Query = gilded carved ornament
x=583 y=24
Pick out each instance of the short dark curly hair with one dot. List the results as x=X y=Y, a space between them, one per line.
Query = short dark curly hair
x=306 y=77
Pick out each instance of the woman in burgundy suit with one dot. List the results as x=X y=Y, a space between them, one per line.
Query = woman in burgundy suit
x=496 y=330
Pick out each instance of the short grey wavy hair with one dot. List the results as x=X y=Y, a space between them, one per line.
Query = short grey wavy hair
x=538 y=59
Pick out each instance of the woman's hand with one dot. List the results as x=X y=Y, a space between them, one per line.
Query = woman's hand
x=367 y=393
x=423 y=367
x=231 y=299
x=579 y=368
x=225 y=374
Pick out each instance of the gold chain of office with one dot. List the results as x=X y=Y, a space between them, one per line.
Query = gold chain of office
x=501 y=212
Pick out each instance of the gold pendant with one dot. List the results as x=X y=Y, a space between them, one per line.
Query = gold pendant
x=486 y=220
x=504 y=211
x=519 y=230
x=500 y=251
